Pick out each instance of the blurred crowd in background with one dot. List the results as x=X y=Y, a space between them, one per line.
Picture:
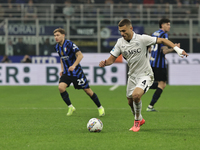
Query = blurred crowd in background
x=8 y=9
x=104 y=1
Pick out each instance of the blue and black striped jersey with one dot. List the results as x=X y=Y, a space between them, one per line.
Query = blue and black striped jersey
x=157 y=57
x=67 y=54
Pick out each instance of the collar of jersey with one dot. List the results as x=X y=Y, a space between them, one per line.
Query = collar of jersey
x=134 y=35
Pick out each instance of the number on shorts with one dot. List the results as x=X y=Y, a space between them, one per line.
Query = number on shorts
x=144 y=82
x=80 y=81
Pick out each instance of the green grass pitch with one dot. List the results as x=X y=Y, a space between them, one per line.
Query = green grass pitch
x=34 y=118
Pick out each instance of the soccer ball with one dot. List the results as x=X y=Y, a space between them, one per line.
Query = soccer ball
x=95 y=125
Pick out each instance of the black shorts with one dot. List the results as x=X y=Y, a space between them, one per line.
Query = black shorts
x=160 y=74
x=79 y=83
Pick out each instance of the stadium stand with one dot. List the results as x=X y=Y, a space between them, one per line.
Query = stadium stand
x=85 y=21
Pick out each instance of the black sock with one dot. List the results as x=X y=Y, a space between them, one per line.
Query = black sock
x=65 y=97
x=96 y=100
x=154 y=85
x=156 y=96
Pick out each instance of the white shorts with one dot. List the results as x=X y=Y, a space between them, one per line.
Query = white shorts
x=142 y=82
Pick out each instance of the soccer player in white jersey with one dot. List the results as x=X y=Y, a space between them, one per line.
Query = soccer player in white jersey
x=133 y=48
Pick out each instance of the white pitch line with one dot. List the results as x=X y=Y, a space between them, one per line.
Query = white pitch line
x=114 y=87
x=49 y=108
x=33 y=108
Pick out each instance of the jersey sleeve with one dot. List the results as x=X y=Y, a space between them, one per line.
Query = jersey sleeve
x=148 y=40
x=74 y=47
x=116 y=50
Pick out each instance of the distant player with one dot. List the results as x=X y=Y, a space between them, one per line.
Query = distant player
x=71 y=71
x=133 y=48
x=157 y=61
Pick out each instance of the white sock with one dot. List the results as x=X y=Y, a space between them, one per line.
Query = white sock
x=70 y=105
x=100 y=107
x=138 y=108
x=150 y=106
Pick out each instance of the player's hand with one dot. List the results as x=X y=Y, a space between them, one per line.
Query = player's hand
x=71 y=68
x=180 y=52
x=184 y=54
x=61 y=73
x=102 y=64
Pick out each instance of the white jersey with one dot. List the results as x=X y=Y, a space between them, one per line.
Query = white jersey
x=136 y=53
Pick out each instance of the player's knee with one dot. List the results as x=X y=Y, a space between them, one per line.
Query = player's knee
x=136 y=97
x=162 y=85
x=61 y=88
x=89 y=92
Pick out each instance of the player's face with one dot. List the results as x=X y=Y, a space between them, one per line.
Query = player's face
x=126 y=32
x=166 y=27
x=59 y=37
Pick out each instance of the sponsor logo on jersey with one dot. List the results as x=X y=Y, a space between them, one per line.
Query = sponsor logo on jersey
x=65 y=57
x=134 y=51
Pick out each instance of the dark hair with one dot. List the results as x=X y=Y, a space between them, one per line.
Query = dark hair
x=124 y=22
x=62 y=31
x=164 y=20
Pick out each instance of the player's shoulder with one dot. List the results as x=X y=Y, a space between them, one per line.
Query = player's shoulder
x=120 y=39
x=68 y=42
x=143 y=36
x=159 y=33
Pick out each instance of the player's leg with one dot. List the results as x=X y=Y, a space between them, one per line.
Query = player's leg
x=82 y=83
x=63 y=84
x=142 y=86
x=137 y=103
x=65 y=96
x=130 y=103
x=133 y=108
x=134 y=95
x=95 y=99
x=156 y=95
x=93 y=96
x=160 y=76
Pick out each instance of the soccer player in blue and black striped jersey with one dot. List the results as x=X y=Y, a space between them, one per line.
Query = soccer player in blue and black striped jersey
x=157 y=61
x=71 y=71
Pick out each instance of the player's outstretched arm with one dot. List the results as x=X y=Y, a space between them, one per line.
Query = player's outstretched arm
x=108 y=61
x=167 y=50
x=179 y=51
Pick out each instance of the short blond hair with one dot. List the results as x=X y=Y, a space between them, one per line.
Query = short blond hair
x=62 y=31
